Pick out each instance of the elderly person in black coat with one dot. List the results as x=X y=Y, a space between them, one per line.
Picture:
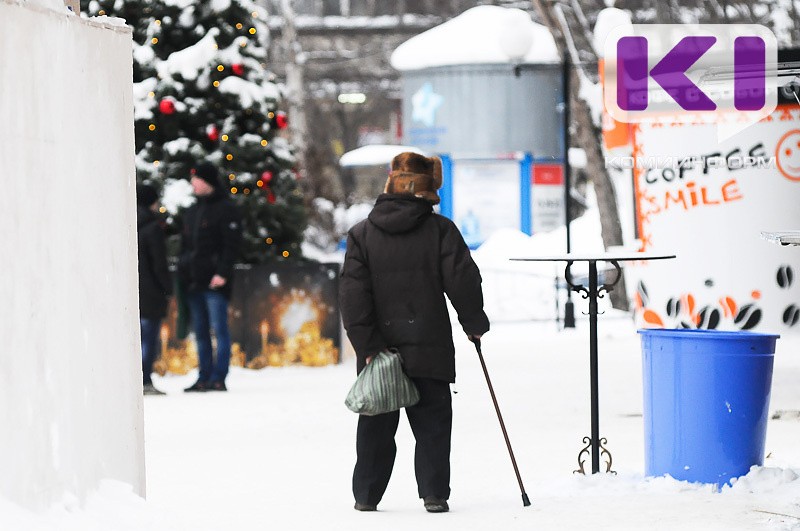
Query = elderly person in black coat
x=155 y=283
x=399 y=264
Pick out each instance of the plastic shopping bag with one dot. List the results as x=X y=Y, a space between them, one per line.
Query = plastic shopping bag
x=382 y=387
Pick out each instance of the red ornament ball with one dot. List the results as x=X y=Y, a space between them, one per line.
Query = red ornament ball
x=167 y=106
x=237 y=68
x=281 y=120
x=271 y=197
x=212 y=133
x=266 y=176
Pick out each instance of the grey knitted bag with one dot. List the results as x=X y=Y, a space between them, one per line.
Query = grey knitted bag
x=382 y=386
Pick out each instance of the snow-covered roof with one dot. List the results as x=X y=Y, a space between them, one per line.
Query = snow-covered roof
x=374 y=155
x=474 y=37
x=608 y=19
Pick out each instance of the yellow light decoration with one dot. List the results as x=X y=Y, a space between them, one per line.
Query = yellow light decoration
x=224 y=138
x=246 y=191
x=151 y=94
x=228 y=157
x=239 y=26
x=234 y=189
x=255 y=14
x=269 y=241
x=156 y=163
x=154 y=40
x=152 y=127
x=231 y=176
x=271 y=115
x=243 y=44
x=260 y=183
x=294 y=326
x=252 y=31
x=264 y=143
x=220 y=68
x=285 y=254
x=163 y=210
x=216 y=83
x=158 y=22
x=101 y=13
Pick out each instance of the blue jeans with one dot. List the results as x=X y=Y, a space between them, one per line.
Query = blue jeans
x=150 y=329
x=209 y=309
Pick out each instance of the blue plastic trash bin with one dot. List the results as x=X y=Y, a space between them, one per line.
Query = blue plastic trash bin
x=706 y=402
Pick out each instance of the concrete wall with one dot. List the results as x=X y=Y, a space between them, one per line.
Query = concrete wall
x=70 y=372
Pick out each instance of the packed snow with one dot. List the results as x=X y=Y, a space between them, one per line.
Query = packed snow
x=277 y=451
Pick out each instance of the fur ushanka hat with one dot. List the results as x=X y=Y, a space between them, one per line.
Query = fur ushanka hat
x=416 y=175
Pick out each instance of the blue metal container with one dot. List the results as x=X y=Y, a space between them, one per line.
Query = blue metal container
x=706 y=401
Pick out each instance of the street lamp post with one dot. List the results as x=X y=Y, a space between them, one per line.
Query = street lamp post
x=516 y=40
x=569 y=307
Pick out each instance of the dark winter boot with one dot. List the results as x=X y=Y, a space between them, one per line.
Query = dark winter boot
x=149 y=389
x=365 y=507
x=435 y=505
x=197 y=387
x=216 y=386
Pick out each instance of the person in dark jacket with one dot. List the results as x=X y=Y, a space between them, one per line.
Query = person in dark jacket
x=399 y=264
x=155 y=283
x=209 y=247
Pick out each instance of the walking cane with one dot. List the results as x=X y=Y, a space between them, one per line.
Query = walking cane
x=525 y=501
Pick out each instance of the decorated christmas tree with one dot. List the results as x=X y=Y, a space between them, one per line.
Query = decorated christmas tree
x=202 y=91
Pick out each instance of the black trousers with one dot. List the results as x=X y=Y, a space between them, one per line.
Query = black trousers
x=431 y=420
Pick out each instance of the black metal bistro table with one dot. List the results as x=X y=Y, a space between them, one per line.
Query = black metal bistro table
x=593 y=292
x=785 y=237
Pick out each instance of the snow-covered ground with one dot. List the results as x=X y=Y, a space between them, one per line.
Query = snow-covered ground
x=276 y=452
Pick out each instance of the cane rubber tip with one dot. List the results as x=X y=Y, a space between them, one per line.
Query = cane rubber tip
x=525 y=501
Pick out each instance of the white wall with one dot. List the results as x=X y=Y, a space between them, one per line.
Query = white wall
x=70 y=375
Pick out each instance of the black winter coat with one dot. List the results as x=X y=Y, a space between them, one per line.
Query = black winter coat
x=400 y=263
x=155 y=282
x=210 y=240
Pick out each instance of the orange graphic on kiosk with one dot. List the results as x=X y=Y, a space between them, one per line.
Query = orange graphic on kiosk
x=787 y=154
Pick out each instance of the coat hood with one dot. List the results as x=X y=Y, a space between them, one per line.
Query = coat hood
x=398 y=213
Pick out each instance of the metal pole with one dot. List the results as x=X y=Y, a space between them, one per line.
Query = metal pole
x=569 y=308
x=593 y=366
